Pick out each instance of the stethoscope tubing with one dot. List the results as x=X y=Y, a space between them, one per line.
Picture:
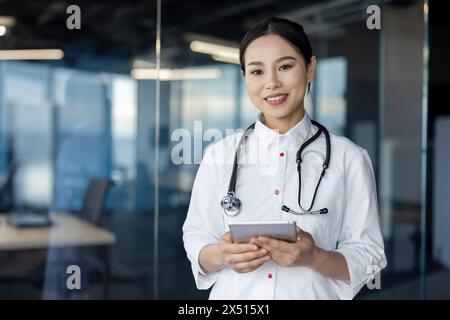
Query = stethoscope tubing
x=232 y=205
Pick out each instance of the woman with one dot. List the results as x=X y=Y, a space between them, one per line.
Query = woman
x=336 y=250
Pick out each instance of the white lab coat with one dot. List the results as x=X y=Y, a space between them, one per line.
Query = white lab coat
x=348 y=190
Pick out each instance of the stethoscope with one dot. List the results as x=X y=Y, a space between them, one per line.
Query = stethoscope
x=232 y=205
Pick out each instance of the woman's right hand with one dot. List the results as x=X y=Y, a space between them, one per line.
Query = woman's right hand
x=241 y=257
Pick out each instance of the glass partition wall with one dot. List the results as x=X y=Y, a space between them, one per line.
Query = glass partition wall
x=107 y=139
x=75 y=148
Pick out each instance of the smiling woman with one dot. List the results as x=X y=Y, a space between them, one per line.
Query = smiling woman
x=276 y=75
x=336 y=245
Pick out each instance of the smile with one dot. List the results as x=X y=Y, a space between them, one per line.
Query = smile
x=276 y=100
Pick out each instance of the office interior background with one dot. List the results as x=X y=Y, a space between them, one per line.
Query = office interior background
x=87 y=132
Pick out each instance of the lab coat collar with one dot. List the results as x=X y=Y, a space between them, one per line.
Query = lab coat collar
x=294 y=137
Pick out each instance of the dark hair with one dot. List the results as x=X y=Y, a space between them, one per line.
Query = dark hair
x=289 y=30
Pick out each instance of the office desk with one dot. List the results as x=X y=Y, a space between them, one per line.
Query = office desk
x=66 y=231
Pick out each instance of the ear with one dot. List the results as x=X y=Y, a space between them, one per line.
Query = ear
x=311 y=69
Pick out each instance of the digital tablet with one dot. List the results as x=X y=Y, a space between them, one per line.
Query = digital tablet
x=242 y=232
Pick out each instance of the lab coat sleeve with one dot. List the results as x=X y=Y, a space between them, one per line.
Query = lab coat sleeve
x=204 y=222
x=360 y=240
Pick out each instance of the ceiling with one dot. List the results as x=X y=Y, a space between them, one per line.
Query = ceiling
x=115 y=32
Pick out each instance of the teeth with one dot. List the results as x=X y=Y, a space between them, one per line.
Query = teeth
x=276 y=98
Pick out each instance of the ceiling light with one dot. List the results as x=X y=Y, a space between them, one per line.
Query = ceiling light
x=142 y=63
x=32 y=54
x=7 y=21
x=225 y=59
x=176 y=74
x=215 y=49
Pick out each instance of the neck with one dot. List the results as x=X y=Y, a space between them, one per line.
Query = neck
x=283 y=125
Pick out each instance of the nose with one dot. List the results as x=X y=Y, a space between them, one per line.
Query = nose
x=273 y=82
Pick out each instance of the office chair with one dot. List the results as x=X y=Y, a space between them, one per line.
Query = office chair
x=93 y=212
x=7 y=188
x=94 y=200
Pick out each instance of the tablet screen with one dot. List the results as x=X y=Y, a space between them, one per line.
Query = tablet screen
x=242 y=232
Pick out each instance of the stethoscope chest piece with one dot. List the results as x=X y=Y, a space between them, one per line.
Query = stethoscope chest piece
x=230 y=204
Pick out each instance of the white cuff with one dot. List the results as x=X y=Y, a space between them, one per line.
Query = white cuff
x=203 y=280
x=358 y=269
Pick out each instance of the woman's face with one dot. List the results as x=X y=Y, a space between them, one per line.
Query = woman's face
x=276 y=76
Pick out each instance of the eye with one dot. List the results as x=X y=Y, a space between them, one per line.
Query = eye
x=256 y=72
x=285 y=67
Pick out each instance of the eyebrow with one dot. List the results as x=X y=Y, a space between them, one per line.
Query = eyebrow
x=258 y=63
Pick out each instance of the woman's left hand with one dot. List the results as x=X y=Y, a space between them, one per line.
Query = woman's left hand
x=287 y=254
